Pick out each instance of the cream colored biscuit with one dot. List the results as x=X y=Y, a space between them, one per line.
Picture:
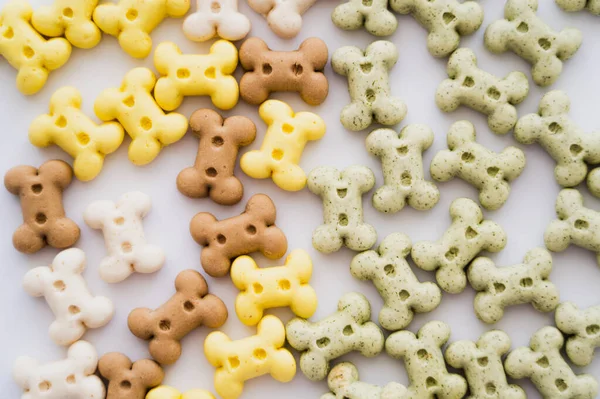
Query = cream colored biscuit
x=583 y=329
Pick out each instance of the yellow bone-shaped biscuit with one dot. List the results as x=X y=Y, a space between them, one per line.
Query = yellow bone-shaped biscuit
x=166 y=392
x=26 y=50
x=280 y=153
x=70 y=129
x=270 y=287
x=133 y=105
x=196 y=75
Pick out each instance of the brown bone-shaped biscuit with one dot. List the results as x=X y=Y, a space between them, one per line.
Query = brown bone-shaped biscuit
x=127 y=380
x=191 y=307
x=269 y=71
x=44 y=220
x=220 y=140
x=254 y=230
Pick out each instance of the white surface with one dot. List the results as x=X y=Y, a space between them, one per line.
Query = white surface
x=415 y=78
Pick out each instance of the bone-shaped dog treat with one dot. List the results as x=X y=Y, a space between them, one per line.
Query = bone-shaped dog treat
x=424 y=362
x=373 y=15
x=402 y=163
x=271 y=287
x=349 y=329
x=73 y=19
x=189 y=308
x=344 y=384
x=482 y=91
x=283 y=16
x=592 y=6
x=121 y=224
x=219 y=18
x=127 y=379
x=583 y=327
x=146 y=123
x=543 y=364
x=80 y=137
x=252 y=231
x=196 y=75
x=72 y=377
x=486 y=170
x=528 y=36
x=166 y=392
x=250 y=357
x=220 y=140
x=445 y=20
x=269 y=71
x=526 y=282
x=593 y=182
x=403 y=294
x=40 y=192
x=283 y=144
x=369 y=85
x=132 y=21
x=26 y=50
x=482 y=363
x=468 y=235
x=343 y=222
x=68 y=296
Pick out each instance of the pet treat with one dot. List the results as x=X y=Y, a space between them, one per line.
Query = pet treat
x=445 y=20
x=344 y=384
x=220 y=140
x=526 y=282
x=272 y=287
x=40 y=192
x=403 y=294
x=72 y=377
x=543 y=364
x=373 y=15
x=250 y=357
x=482 y=364
x=189 y=308
x=283 y=16
x=166 y=392
x=269 y=71
x=76 y=134
x=424 y=362
x=593 y=182
x=121 y=224
x=477 y=89
x=196 y=75
x=369 y=85
x=127 y=379
x=528 y=36
x=134 y=107
x=468 y=235
x=343 y=222
x=401 y=157
x=26 y=50
x=486 y=170
x=216 y=18
x=592 y=6
x=68 y=296
x=279 y=155
x=132 y=21
x=252 y=231
x=349 y=329
x=583 y=329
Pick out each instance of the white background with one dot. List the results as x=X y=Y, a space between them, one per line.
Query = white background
x=530 y=208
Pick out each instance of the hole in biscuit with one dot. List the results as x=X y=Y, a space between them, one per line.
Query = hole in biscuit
x=267 y=69
x=28 y=52
x=483 y=361
x=297 y=69
x=493 y=93
x=68 y=12
x=210 y=73
x=36 y=188
x=9 y=33
x=342 y=192
x=323 y=342
x=251 y=229
x=61 y=121
x=259 y=354
x=367 y=3
x=126 y=247
x=83 y=138
x=430 y=382
x=287 y=128
x=343 y=219
x=129 y=101
x=74 y=309
x=402 y=150
x=70 y=379
x=284 y=285
x=183 y=73
x=581 y=224
x=215 y=7
x=366 y=67
x=146 y=123
x=234 y=362
x=575 y=149
x=221 y=239
x=211 y=172
x=406 y=179
x=468 y=82
x=44 y=386
x=561 y=384
x=452 y=253
x=422 y=354
x=119 y=221
x=448 y=17
x=545 y=43
x=188 y=306
x=257 y=288
x=277 y=154
x=490 y=388
x=493 y=171
x=499 y=288
x=592 y=329
x=543 y=362
x=389 y=270
x=125 y=385
x=217 y=141
x=404 y=295
x=40 y=218
x=555 y=128
x=59 y=285
x=467 y=157
x=526 y=282
x=370 y=94
x=470 y=233
x=348 y=330
x=523 y=27
x=164 y=325
x=132 y=14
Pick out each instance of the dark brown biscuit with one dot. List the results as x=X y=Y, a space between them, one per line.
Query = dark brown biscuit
x=127 y=380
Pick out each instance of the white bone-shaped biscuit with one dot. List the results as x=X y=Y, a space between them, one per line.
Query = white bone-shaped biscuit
x=543 y=364
x=216 y=18
x=528 y=36
x=349 y=329
x=283 y=16
x=72 y=377
x=342 y=208
x=468 y=235
x=583 y=328
x=343 y=383
x=373 y=15
x=424 y=362
x=121 y=224
x=401 y=157
x=486 y=170
x=477 y=89
x=592 y=6
x=402 y=292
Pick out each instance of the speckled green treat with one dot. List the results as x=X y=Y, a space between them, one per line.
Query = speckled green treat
x=374 y=16
x=593 y=182
x=583 y=328
x=424 y=362
x=500 y=287
x=349 y=329
x=344 y=384
x=543 y=364
x=484 y=169
x=403 y=294
x=477 y=89
x=592 y=6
